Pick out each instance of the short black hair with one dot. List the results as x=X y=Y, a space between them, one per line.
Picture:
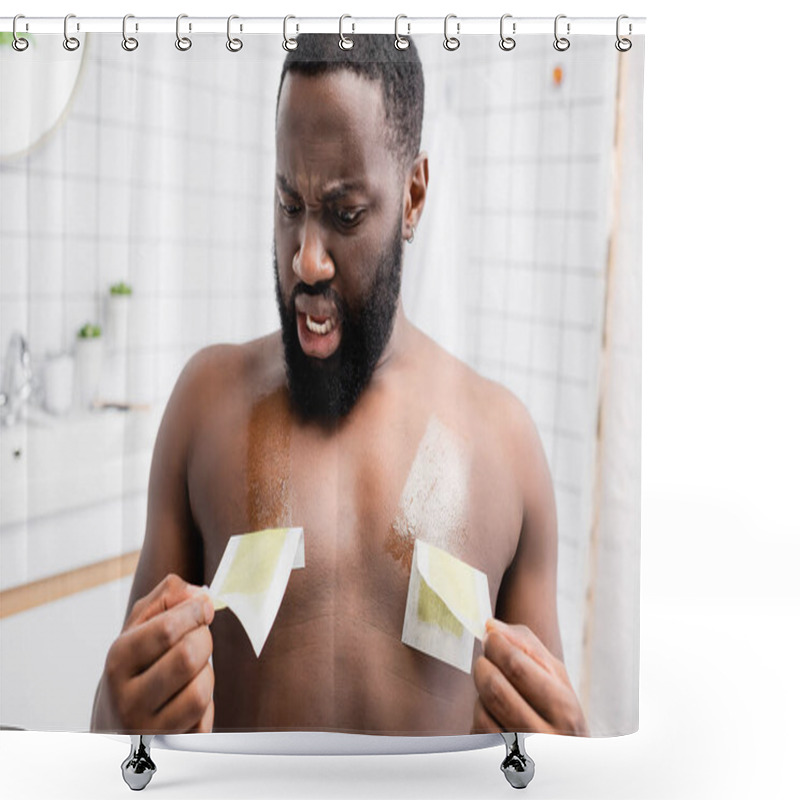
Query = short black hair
x=375 y=57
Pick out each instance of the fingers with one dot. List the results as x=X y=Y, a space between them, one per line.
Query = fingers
x=533 y=682
x=168 y=593
x=483 y=721
x=190 y=706
x=157 y=674
x=503 y=701
x=206 y=724
x=536 y=675
x=527 y=640
x=176 y=668
x=170 y=695
x=141 y=646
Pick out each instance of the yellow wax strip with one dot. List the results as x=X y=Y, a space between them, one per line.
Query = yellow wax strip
x=254 y=564
x=218 y=604
x=454 y=582
x=431 y=609
x=252 y=576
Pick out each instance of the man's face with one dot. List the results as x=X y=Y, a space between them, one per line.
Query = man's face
x=338 y=237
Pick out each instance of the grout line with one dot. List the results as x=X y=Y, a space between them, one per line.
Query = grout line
x=539 y=213
x=517 y=316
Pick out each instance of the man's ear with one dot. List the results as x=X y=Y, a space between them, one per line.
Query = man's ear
x=416 y=190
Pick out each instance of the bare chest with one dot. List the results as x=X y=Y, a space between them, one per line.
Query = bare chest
x=363 y=496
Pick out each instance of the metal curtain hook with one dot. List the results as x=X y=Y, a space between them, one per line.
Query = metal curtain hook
x=128 y=42
x=234 y=45
x=70 y=42
x=344 y=42
x=400 y=42
x=561 y=43
x=623 y=44
x=183 y=43
x=507 y=42
x=289 y=42
x=451 y=42
x=20 y=43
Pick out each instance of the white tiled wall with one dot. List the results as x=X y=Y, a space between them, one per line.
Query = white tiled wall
x=160 y=176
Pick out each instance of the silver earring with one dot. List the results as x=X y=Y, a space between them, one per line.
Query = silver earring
x=411 y=238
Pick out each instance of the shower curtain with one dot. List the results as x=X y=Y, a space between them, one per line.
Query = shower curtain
x=353 y=526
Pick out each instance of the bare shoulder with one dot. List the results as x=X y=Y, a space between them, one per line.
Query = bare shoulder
x=492 y=416
x=229 y=369
x=515 y=433
x=486 y=401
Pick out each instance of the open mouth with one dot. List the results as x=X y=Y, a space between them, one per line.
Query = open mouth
x=319 y=335
x=320 y=326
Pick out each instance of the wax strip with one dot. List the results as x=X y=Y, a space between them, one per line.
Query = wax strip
x=447 y=606
x=252 y=576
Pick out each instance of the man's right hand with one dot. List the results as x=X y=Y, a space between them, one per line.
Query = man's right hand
x=157 y=676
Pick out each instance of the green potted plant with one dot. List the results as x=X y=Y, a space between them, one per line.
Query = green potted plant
x=88 y=363
x=119 y=297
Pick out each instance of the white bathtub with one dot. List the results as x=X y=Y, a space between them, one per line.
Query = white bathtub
x=138 y=767
x=319 y=743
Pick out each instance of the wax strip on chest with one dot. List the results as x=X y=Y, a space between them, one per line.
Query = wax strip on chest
x=252 y=576
x=447 y=606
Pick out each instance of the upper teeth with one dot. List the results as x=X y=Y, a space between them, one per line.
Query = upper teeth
x=319 y=327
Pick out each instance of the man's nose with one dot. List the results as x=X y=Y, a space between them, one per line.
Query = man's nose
x=312 y=263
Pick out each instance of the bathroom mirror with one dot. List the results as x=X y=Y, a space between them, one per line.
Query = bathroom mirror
x=37 y=87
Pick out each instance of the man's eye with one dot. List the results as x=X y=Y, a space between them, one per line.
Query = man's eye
x=349 y=216
x=289 y=209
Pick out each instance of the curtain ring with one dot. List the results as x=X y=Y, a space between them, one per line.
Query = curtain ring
x=507 y=42
x=400 y=42
x=20 y=43
x=451 y=42
x=289 y=42
x=183 y=43
x=234 y=45
x=70 y=42
x=344 y=42
x=128 y=42
x=561 y=43
x=623 y=44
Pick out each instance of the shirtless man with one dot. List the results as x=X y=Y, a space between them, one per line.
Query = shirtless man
x=321 y=425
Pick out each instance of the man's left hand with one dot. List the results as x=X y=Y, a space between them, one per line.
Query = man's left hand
x=522 y=686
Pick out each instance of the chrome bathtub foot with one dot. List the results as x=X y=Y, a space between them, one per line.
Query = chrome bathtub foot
x=138 y=767
x=517 y=766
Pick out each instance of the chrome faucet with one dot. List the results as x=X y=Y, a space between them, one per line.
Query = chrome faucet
x=17 y=379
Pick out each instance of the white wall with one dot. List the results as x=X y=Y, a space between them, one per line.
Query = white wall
x=158 y=176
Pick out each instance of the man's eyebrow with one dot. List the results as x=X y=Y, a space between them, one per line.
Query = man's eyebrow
x=335 y=191
x=342 y=188
x=286 y=186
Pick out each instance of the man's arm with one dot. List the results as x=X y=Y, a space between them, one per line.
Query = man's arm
x=157 y=675
x=171 y=542
x=521 y=679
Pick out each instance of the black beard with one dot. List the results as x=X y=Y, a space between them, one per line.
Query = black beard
x=325 y=390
